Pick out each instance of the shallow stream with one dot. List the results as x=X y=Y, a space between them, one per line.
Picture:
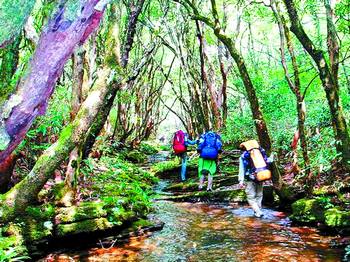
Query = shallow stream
x=220 y=232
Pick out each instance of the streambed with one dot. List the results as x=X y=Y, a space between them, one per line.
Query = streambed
x=215 y=232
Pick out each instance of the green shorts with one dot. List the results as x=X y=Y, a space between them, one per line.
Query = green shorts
x=206 y=164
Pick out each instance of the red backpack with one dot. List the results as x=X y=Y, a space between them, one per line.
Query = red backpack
x=179 y=142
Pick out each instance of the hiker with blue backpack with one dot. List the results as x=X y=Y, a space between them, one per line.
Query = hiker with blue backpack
x=209 y=147
x=180 y=143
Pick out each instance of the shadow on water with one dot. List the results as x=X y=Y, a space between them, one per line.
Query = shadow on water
x=207 y=232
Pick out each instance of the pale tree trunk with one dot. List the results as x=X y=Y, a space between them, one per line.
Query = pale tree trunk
x=205 y=80
x=328 y=74
x=136 y=9
x=26 y=191
x=56 y=44
x=73 y=163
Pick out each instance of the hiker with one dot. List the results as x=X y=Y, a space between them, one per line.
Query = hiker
x=209 y=148
x=180 y=143
x=253 y=170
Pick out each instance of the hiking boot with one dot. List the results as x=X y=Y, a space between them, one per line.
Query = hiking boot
x=258 y=214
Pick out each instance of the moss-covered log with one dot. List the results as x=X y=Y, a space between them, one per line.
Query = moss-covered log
x=87 y=210
x=25 y=192
x=84 y=227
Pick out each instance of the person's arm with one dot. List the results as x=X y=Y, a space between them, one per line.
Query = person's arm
x=219 y=144
x=200 y=144
x=269 y=159
x=191 y=142
x=242 y=170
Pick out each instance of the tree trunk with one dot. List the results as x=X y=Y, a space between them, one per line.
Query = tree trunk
x=295 y=87
x=258 y=118
x=205 y=81
x=71 y=172
x=109 y=101
x=26 y=191
x=328 y=76
x=56 y=45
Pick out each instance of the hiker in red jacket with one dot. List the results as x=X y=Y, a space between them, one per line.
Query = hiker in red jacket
x=180 y=143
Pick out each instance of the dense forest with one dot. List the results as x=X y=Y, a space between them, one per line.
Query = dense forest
x=91 y=90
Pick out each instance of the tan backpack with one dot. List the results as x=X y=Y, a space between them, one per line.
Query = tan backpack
x=262 y=172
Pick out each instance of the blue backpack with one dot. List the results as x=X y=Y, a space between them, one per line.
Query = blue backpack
x=211 y=145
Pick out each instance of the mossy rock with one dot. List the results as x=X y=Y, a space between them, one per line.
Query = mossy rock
x=308 y=211
x=136 y=156
x=41 y=213
x=86 y=210
x=148 y=148
x=119 y=214
x=11 y=236
x=289 y=193
x=34 y=230
x=85 y=226
x=335 y=217
x=12 y=244
x=192 y=184
x=183 y=186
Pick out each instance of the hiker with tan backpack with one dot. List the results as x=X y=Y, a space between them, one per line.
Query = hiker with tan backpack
x=253 y=170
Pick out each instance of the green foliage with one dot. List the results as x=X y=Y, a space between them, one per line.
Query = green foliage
x=11 y=24
x=342 y=11
x=148 y=148
x=44 y=212
x=162 y=167
x=11 y=248
x=122 y=186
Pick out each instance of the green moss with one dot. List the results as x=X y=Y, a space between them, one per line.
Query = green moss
x=148 y=148
x=335 y=217
x=183 y=186
x=166 y=166
x=34 y=230
x=84 y=226
x=136 y=156
x=12 y=246
x=308 y=210
x=141 y=223
x=13 y=15
x=44 y=212
x=87 y=210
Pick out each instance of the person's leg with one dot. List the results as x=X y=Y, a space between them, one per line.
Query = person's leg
x=201 y=182
x=183 y=166
x=200 y=175
x=210 y=182
x=251 y=197
x=212 y=167
x=259 y=194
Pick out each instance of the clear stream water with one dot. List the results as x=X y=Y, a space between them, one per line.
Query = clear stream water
x=220 y=232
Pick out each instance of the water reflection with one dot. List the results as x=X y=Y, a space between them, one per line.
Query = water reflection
x=202 y=232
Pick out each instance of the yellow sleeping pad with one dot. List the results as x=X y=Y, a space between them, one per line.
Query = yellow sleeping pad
x=262 y=173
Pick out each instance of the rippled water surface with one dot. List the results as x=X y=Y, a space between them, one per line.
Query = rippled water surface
x=203 y=232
